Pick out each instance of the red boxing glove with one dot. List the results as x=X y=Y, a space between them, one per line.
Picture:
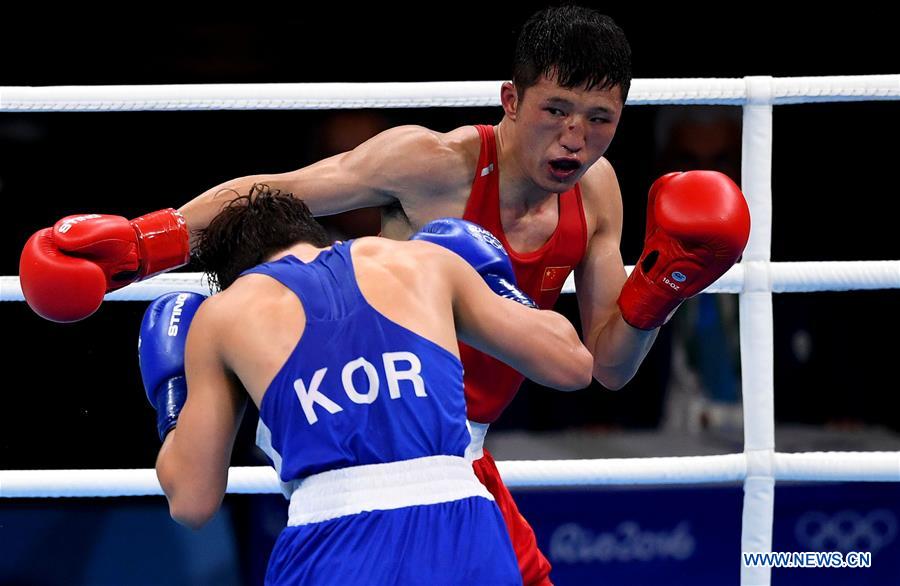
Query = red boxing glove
x=66 y=270
x=698 y=224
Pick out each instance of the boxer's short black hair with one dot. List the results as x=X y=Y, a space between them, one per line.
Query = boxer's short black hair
x=250 y=229
x=578 y=47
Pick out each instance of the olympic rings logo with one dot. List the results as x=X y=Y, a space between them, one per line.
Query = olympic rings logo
x=479 y=232
x=846 y=530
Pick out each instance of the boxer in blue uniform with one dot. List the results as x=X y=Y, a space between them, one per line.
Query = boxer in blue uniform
x=350 y=352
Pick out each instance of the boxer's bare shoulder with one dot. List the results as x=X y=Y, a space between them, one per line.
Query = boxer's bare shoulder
x=410 y=160
x=602 y=199
x=408 y=282
x=433 y=180
x=413 y=266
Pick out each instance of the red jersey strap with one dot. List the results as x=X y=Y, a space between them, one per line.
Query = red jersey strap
x=484 y=199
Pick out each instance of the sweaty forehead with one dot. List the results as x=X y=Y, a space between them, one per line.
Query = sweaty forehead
x=547 y=89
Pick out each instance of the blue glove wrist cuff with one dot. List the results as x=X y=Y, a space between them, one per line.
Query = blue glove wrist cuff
x=504 y=288
x=170 y=398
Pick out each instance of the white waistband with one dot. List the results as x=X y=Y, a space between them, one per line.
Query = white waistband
x=477 y=431
x=379 y=487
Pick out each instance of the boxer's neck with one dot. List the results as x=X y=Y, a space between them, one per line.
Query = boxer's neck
x=517 y=190
x=304 y=252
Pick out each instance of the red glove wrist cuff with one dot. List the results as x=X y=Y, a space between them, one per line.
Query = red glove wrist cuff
x=646 y=305
x=164 y=241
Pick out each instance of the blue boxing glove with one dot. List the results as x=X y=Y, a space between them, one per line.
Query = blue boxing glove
x=479 y=248
x=161 y=353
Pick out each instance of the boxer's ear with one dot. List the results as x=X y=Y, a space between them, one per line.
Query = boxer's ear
x=509 y=99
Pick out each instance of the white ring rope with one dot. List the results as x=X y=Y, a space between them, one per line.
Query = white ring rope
x=755 y=279
x=838 y=466
x=723 y=469
x=785 y=277
x=336 y=96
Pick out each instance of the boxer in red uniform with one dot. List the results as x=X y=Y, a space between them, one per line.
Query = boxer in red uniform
x=538 y=181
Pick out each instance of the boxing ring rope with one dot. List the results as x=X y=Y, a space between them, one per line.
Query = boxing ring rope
x=785 y=277
x=336 y=96
x=721 y=469
x=755 y=279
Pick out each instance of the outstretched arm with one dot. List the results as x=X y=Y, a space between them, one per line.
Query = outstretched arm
x=89 y=255
x=375 y=173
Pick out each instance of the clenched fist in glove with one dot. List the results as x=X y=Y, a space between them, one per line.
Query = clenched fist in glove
x=698 y=224
x=66 y=270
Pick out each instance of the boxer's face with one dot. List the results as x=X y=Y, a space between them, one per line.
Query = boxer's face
x=561 y=131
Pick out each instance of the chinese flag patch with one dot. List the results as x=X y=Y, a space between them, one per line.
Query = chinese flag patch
x=554 y=278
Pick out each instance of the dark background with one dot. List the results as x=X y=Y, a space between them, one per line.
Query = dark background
x=72 y=396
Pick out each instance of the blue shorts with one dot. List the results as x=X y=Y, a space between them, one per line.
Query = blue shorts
x=452 y=543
